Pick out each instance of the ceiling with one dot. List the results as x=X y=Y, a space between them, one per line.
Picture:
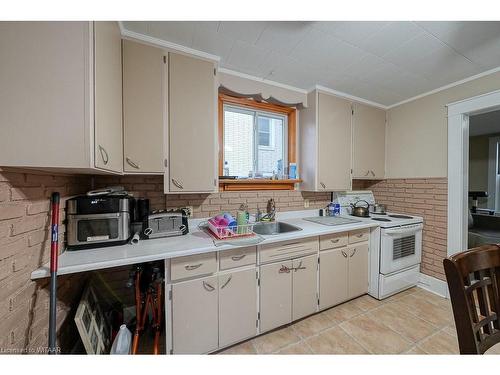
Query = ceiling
x=383 y=62
x=485 y=123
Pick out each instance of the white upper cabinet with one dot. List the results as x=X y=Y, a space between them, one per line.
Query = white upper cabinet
x=144 y=108
x=192 y=162
x=368 y=142
x=53 y=75
x=108 y=96
x=325 y=143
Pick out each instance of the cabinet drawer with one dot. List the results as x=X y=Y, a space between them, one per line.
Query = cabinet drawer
x=237 y=257
x=288 y=249
x=359 y=235
x=332 y=241
x=193 y=265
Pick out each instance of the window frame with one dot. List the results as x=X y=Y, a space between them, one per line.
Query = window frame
x=290 y=138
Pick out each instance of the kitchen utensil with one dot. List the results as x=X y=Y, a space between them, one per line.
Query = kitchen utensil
x=360 y=211
x=378 y=208
x=54 y=250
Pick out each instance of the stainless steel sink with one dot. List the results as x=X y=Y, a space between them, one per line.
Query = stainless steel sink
x=275 y=227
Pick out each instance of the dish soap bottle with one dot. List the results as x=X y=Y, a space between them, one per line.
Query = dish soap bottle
x=242 y=219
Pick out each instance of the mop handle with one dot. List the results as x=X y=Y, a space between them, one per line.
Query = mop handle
x=54 y=249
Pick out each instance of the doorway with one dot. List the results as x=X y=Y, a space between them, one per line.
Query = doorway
x=459 y=114
x=484 y=179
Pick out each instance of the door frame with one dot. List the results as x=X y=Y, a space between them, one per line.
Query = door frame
x=493 y=198
x=458 y=164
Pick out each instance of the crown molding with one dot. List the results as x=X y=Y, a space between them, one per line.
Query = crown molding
x=347 y=96
x=449 y=86
x=127 y=34
x=262 y=80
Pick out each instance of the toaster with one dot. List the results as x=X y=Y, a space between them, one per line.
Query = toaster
x=163 y=223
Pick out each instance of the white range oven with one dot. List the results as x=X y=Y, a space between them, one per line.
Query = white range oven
x=396 y=247
x=400 y=248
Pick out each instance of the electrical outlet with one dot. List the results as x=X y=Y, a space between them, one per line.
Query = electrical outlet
x=189 y=210
x=306 y=203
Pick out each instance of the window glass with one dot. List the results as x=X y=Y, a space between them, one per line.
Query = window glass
x=254 y=142
x=238 y=142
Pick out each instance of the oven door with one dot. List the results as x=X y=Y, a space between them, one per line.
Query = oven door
x=400 y=248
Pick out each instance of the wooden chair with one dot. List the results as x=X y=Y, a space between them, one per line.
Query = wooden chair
x=474 y=284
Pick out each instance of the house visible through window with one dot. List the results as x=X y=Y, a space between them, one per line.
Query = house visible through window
x=255 y=142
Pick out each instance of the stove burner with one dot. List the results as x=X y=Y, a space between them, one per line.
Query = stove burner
x=401 y=216
x=380 y=219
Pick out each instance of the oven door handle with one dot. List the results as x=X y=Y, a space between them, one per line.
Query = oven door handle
x=408 y=229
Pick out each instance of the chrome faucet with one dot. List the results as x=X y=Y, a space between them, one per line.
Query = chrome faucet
x=270 y=211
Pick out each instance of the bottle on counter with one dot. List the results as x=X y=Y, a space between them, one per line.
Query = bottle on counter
x=242 y=218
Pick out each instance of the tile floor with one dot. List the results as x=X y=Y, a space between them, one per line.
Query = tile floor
x=412 y=322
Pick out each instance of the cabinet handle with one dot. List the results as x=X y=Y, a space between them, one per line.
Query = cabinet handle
x=335 y=240
x=208 y=287
x=359 y=235
x=373 y=174
x=322 y=185
x=299 y=267
x=239 y=257
x=284 y=269
x=227 y=282
x=367 y=173
x=344 y=253
x=353 y=252
x=104 y=155
x=190 y=268
x=132 y=163
x=177 y=183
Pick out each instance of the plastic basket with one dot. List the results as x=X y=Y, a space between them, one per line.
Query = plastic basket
x=231 y=232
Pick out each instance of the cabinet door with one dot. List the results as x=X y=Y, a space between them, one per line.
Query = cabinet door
x=304 y=286
x=334 y=142
x=237 y=306
x=108 y=96
x=144 y=107
x=368 y=142
x=275 y=295
x=333 y=277
x=43 y=108
x=358 y=270
x=192 y=124
x=195 y=316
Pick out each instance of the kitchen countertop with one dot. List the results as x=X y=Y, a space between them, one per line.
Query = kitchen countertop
x=195 y=242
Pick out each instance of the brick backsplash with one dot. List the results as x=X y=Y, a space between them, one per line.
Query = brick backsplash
x=426 y=197
x=24 y=246
x=25 y=243
x=205 y=205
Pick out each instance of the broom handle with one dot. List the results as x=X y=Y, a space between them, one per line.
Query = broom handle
x=54 y=249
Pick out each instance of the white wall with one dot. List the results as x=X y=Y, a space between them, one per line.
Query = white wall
x=417 y=131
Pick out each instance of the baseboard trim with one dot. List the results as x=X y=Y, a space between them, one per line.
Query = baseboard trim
x=433 y=285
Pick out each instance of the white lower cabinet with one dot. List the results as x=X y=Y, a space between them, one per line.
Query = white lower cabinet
x=304 y=286
x=288 y=291
x=275 y=295
x=237 y=306
x=343 y=274
x=333 y=277
x=195 y=316
x=358 y=270
x=226 y=305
